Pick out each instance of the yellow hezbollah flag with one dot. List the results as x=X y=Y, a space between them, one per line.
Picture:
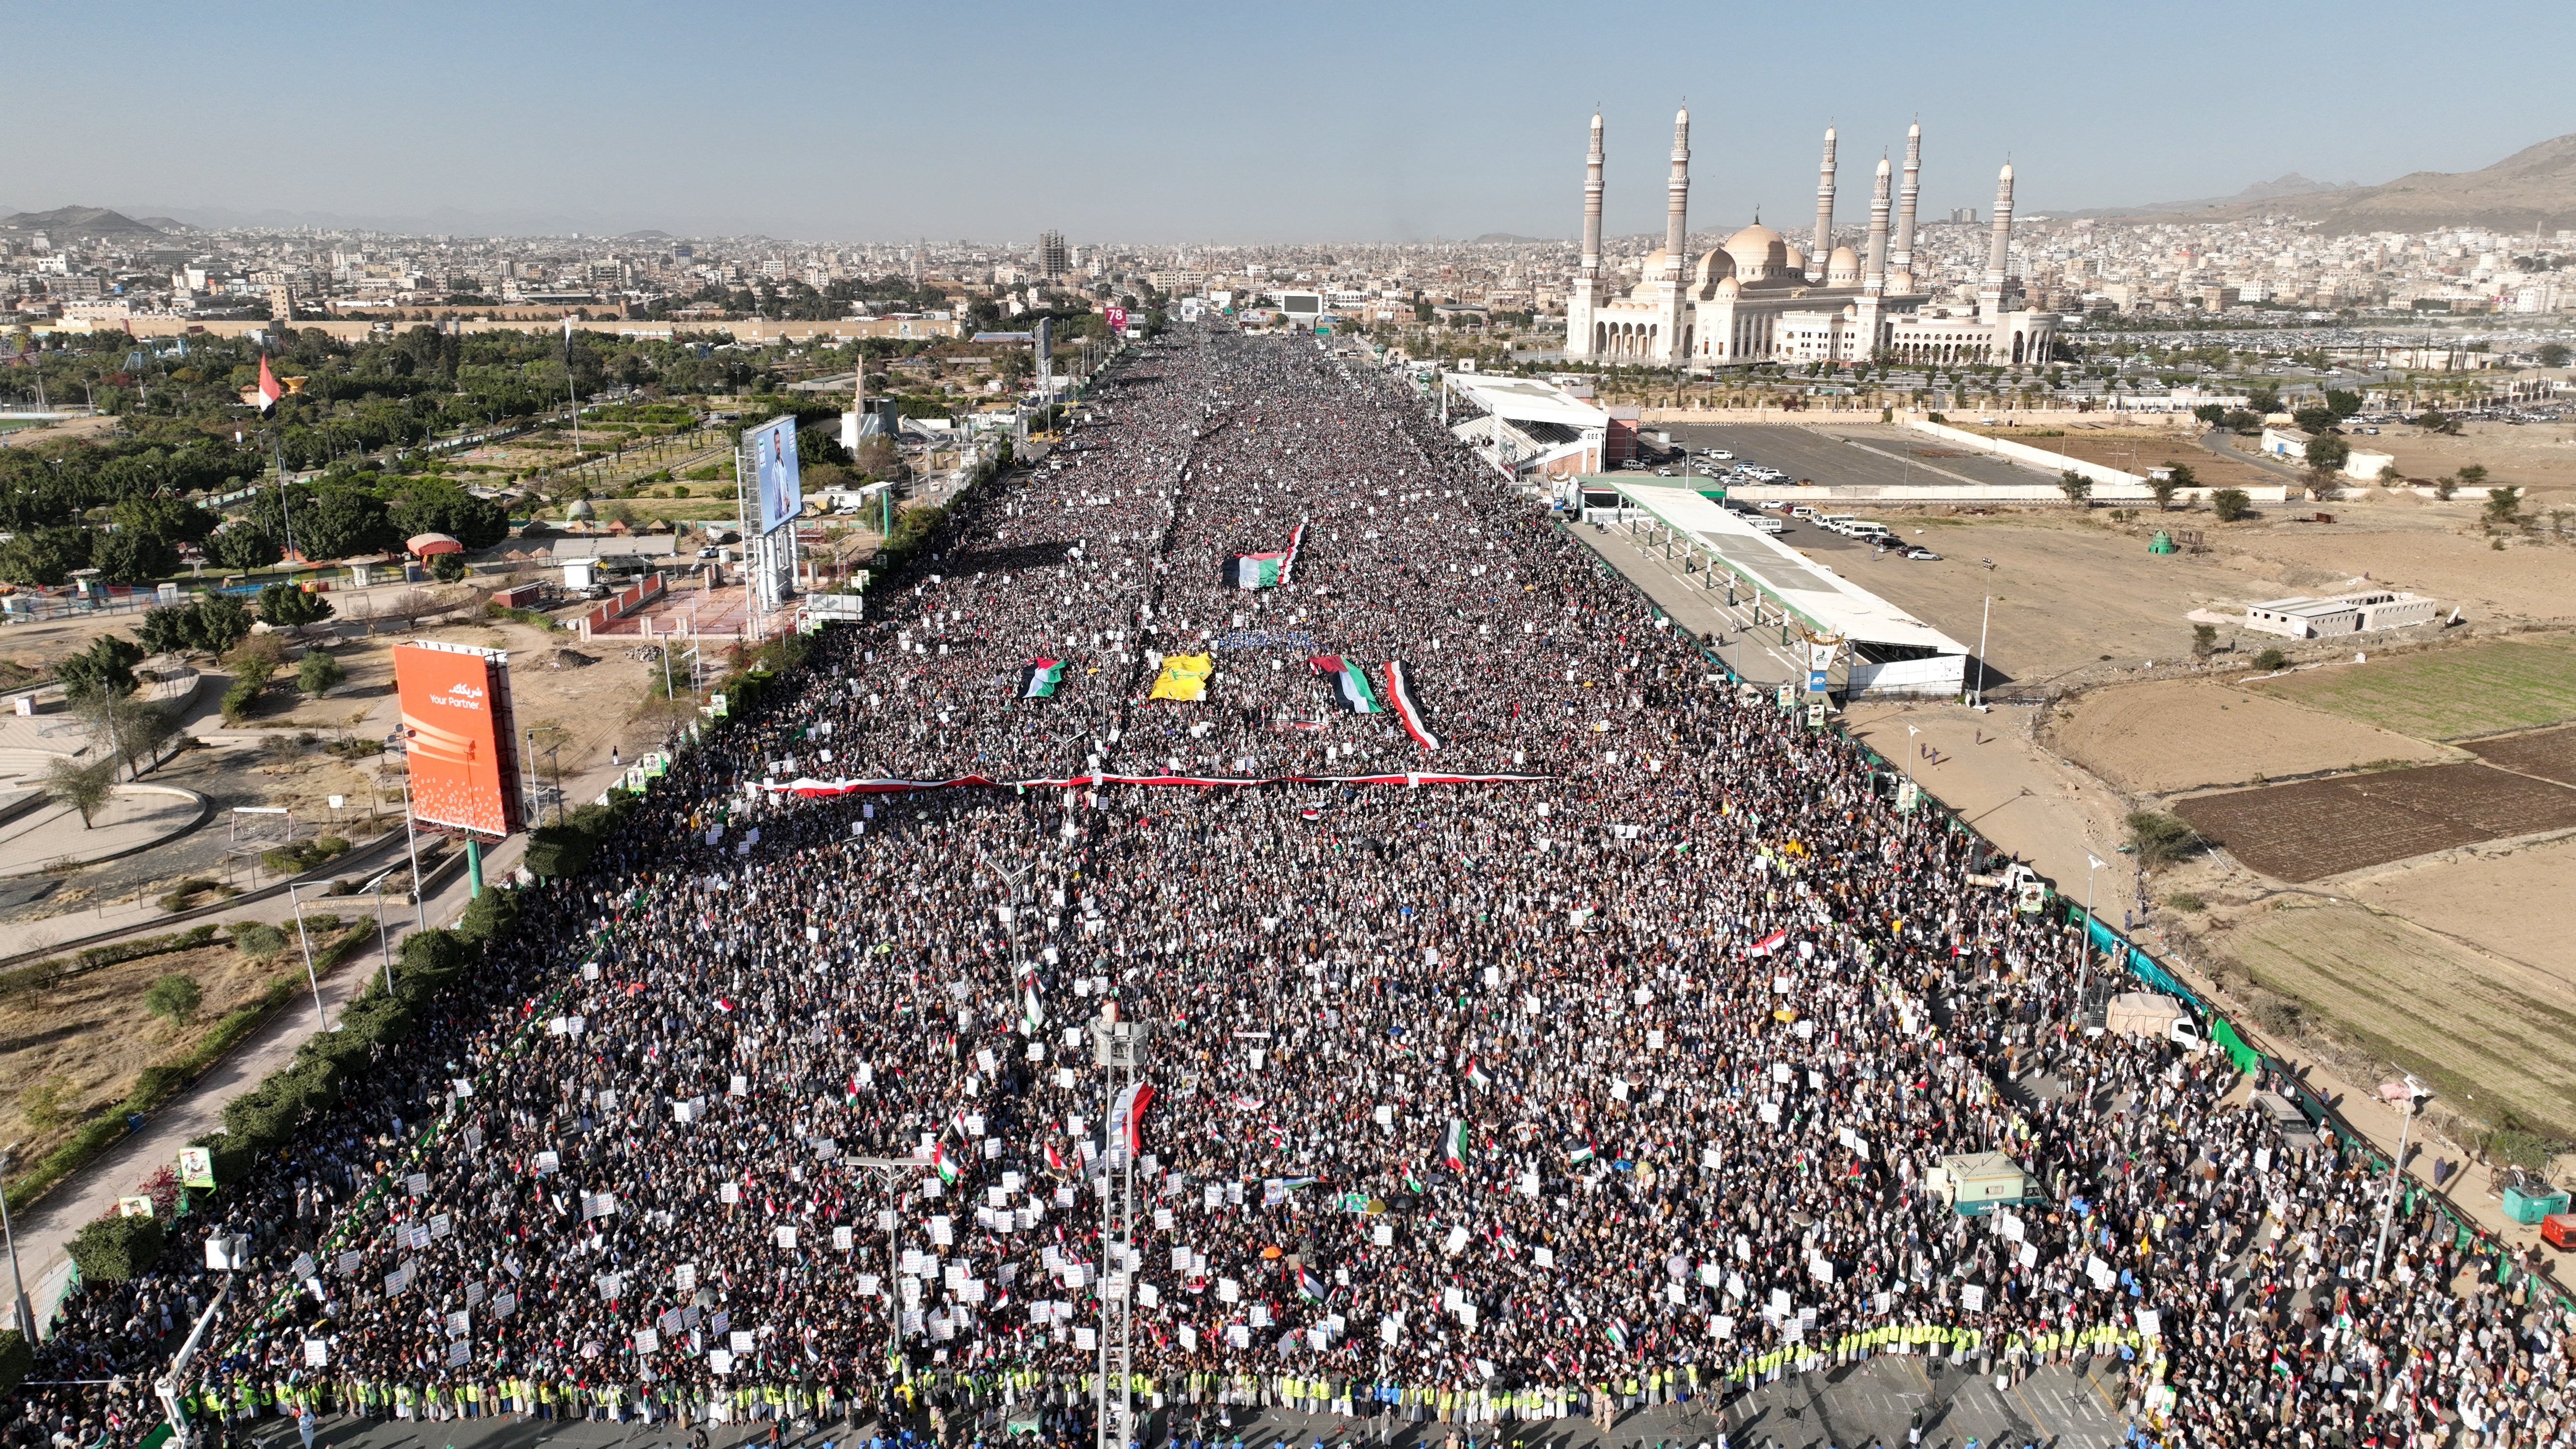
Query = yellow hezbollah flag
x=1184 y=677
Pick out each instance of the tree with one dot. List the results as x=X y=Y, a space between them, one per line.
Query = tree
x=133 y=556
x=83 y=787
x=220 y=622
x=243 y=546
x=284 y=606
x=2244 y=422
x=172 y=518
x=2160 y=839
x=2178 y=476
x=447 y=568
x=174 y=998
x=2327 y=454
x=317 y=673
x=2204 y=640
x=2473 y=475
x=2263 y=399
x=421 y=506
x=2315 y=420
x=2504 y=505
x=2552 y=354
x=2211 y=414
x=2445 y=486
x=106 y=667
x=2076 y=487
x=2434 y=420
x=2344 y=404
x=44 y=557
x=2231 y=504
x=332 y=520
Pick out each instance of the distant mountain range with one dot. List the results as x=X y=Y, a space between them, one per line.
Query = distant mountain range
x=2535 y=186
x=2291 y=185
x=84 y=221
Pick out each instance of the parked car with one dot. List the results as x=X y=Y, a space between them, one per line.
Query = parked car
x=1920 y=554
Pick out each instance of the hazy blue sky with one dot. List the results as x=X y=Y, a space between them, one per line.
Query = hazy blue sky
x=1195 y=122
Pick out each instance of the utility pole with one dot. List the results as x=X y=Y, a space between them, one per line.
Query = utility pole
x=1118 y=1050
x=2416 y=1094
x=895 y=1173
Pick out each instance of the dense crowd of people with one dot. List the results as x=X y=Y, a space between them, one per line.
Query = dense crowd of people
x=1621 y=1072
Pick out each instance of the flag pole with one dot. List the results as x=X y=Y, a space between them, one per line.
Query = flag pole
x=571 y=392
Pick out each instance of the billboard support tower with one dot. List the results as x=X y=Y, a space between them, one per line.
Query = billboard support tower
x=460 y=744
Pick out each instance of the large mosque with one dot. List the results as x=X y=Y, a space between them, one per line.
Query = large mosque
x=1757 y=298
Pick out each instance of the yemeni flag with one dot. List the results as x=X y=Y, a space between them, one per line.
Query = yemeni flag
x=1259 y=570
x=264 y=396
x=1055 y=1159
x=1127 y=1118
x=1768 y=944
x=1350 y=681
x=1399 y=691
x=946 y=1166
x=1453 y=1145
x=1039 y=680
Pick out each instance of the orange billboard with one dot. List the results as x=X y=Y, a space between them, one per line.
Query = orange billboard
x=459 y=736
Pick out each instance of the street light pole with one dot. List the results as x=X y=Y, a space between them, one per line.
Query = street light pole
x=320 y=1023
x=893 y=1172
x=20 y=1313
x=2415 y=1096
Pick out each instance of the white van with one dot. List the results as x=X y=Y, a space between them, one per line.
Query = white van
x=1802 y=511
x=1862 y=528
x=1769 y=525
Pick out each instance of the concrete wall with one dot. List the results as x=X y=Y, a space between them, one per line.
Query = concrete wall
x=2011 y=495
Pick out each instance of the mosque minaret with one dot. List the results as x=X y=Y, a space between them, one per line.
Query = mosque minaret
x=1755 y=298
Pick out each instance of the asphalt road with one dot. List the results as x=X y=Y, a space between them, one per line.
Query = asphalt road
x=1867 y=455
x=1872 y=1402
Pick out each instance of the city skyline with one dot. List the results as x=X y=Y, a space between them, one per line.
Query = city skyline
x=1175 y=126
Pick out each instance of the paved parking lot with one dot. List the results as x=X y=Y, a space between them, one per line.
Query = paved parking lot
x=1866 y=454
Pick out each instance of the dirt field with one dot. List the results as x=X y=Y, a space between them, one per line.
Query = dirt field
x=2539 y=458
x=2181 y=734
x=86 y=1038
x=2487 y=1034
x=2498 y=899
x=2134 y=450
x=2318 y=828
x=2549 y=754
x=2444 y=694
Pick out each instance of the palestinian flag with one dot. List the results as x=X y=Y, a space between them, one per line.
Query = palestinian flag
x=1618 y=1333
x=1039 y=680
x=1309 y=1287
x=1259 y=570
x=1032 y=1010
x=940 y=1159
x=1351 y=681
x=1476 y=1074
x=1453 y=1145
x=1580 y=1154
x=850 y=1094
x=1399 y=691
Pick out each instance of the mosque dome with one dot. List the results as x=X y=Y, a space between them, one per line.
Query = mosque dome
x=1758 y=252
x=1842 y=269
x=1712 y=267
x=1796 y=260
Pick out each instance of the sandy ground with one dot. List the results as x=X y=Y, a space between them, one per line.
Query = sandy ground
x=2537 y=457
x=91 y=1034
x=2507 y=901
x=2071 y=588
x=2167 y=735
x=1993 y=771
x=2488 y=1033
x=2134 y=450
